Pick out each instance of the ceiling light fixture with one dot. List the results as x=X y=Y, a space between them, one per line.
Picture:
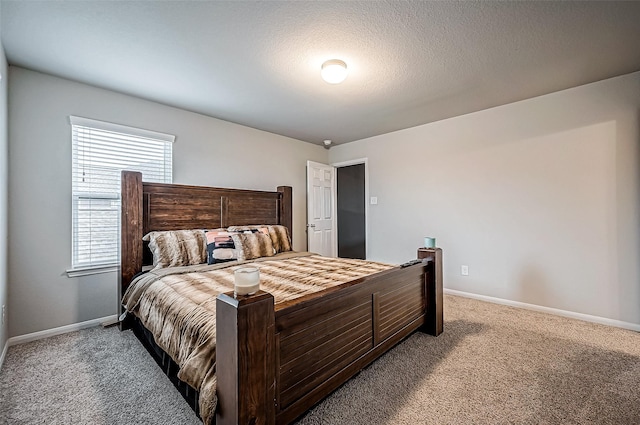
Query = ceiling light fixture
x=334 y=71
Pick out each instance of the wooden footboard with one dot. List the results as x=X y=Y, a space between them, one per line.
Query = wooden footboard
x=274 y=364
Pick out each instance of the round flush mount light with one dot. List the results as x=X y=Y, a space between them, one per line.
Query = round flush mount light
x=334 y=71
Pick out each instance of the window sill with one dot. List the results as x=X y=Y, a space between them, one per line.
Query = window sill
x=86 y=271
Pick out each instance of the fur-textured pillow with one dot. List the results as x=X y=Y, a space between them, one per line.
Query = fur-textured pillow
x=263 y=228
x=253 y=245
x=280 y=238
x=177 y=247
x=279 y=234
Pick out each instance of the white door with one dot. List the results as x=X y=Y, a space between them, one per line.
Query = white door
x=321 y=207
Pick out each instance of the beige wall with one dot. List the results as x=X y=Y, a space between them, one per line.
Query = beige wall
x=4 y=183
x=207 y=152
x=539 y=198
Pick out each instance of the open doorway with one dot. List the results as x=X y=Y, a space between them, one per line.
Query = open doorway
x=337 y=208
x=351 y=203
x=321 y=209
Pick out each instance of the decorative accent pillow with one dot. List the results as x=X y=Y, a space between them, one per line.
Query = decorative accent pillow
x=253 y=245
x=177 y=247
x=262 y=228
x=280 y=238
x=220 y=246
x=279 y=234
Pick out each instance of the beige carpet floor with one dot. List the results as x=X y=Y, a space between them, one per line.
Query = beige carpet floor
x=497 y=365
x=492 y=365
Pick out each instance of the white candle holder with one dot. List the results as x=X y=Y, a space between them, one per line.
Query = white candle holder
x=246 y=281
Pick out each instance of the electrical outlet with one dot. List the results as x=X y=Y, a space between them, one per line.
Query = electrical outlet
x=3 y=313
x=464 y=270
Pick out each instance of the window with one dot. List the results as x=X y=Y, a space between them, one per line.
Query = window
x=100 y=152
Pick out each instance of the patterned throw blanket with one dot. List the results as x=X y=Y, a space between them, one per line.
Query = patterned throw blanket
x=178 y=305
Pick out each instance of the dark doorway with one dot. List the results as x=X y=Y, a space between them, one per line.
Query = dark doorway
x=351 y=211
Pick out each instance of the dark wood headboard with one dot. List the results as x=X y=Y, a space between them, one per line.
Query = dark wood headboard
x=150 y=207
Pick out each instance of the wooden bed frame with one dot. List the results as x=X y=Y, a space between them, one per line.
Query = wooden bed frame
x=276 y=362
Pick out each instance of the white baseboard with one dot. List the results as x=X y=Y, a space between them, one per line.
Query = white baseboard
x=4 y=353
x=61 y=330
x=557 y=312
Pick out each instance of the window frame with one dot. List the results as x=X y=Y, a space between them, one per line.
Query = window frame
x=78 y=124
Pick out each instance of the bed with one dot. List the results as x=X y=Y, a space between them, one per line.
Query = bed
x=275 y=357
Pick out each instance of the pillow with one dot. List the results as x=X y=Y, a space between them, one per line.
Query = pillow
x=252 y=245
x=279 y=234
x=220 y=246
x=263 y=228
x=177 y=247
x=280 y=238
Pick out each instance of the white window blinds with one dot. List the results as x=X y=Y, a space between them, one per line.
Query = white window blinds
x=101 y=151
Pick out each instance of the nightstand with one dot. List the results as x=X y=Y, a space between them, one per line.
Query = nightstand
x=426 y=252
x=434 y=255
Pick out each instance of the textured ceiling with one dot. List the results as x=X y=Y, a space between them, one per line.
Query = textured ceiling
x=258 y=63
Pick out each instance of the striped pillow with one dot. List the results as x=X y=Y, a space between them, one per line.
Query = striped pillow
x=177 y=247
x=253 y=245
x=220 y=246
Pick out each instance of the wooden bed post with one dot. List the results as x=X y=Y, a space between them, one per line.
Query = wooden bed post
x=433 y=285
x=245 y=359
x=286 y=208
x=130 y=233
